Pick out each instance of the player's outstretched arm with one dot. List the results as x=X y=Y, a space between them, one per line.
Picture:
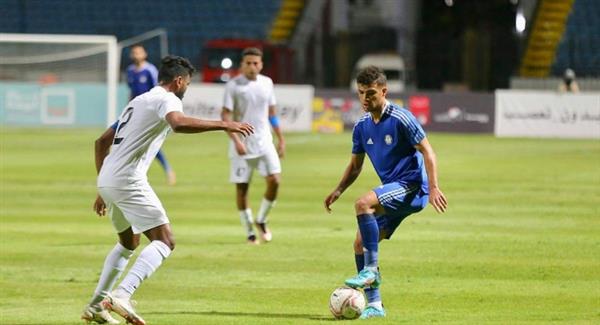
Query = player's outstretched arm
x=436 y=197
x=226 y=116
x=180 y=123
x=350 y=175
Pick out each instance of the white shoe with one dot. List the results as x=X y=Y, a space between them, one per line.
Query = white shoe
x=264 y=231
x=123 y=307
x=102 y=316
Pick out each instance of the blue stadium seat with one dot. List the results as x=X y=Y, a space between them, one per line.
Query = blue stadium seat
x=579 y=48
x=193 y=23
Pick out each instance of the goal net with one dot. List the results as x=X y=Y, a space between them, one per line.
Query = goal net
x=58 y=79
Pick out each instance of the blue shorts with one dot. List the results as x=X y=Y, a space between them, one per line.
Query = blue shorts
x=399 y=200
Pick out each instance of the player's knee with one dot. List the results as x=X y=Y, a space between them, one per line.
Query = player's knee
x=362 y=205
x=273 y=180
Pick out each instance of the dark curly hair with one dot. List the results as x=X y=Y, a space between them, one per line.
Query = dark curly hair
x=172 y=66
x=371 y=74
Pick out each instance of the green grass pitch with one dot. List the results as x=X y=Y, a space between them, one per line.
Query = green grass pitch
x=519 y=244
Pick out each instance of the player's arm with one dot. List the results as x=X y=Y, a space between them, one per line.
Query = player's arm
x=227 y=116
x=436 y=197
x=180 y=123
x=350 y=175
x=102 y=145
x=101 y=148
x=274 y=120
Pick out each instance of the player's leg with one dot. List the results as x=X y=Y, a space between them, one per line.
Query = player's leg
x=171 y=177
x=142 y=208
x=398 y=200
x=375 y=305
x=269 y=166
x=115 y=263
x=366 y=207
x=240 y=175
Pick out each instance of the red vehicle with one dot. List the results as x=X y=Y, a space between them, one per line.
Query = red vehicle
x=221 y=60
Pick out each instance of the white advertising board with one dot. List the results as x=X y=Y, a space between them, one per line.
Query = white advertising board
x=547 y=114
x=294 y=104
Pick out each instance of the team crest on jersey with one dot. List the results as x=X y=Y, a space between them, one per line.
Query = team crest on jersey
x=143 y=79
x=388 y=139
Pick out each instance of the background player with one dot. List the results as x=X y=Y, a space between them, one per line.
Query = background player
x=249 y=97
x=141 y=77
x=123 y=187
x=398 y=149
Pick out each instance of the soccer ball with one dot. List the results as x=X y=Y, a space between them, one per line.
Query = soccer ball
x=346 y=303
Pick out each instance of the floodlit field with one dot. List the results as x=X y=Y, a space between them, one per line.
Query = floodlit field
x=520 y=243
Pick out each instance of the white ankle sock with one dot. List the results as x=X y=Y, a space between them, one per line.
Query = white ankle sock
x=114 y=264
x=149 y=260
x=376 y=304
x=265 y=207
x=246 y=219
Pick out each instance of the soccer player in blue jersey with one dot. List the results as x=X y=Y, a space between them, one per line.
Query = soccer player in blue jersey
x=141 y=77
x=406 y=164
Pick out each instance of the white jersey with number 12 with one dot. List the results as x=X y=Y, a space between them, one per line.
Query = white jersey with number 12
x=141 y=132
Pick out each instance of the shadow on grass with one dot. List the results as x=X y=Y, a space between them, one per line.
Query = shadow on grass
x=246 y=314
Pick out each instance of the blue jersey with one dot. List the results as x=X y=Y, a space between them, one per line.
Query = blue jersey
x=142 y=80
x=390 y=145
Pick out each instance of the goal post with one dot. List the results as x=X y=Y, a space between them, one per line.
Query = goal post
x=46 y=60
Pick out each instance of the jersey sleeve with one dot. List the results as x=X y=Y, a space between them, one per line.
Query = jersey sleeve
x=170 y=104
x=153 y=76
x=357 y=146
x=228 y=101
x=410 y=127
x=130 y=78
x=115 y=125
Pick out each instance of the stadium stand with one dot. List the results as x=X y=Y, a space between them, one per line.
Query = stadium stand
x=202 y=20
x=548 y=26
x=579 y=48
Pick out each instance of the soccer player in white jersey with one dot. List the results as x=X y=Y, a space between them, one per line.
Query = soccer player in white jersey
x=124 y=191
x=249 y=98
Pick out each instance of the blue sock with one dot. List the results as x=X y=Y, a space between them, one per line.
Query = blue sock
x=372 y=294
x=360 y=262
x=369 y=231
x=163 y=161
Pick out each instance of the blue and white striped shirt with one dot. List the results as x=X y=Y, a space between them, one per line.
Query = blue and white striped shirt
x=390 y=145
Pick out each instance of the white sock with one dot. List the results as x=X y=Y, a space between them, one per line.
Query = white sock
x=376 y=304
x=246 y=219
x=265 y=207
x=149 y=260
x=114 y=264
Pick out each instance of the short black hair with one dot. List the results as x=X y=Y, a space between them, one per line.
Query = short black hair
x=371 y=74
x=252 y=51
x=172 y=66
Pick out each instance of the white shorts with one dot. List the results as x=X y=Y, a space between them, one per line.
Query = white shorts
x=242 y=168
x=136 y=207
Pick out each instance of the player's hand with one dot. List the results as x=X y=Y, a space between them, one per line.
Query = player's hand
x=281 y=149
x=438 y=200
x=237 y=127
x=240 y=148
x=100 y=206
x=331 y=198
